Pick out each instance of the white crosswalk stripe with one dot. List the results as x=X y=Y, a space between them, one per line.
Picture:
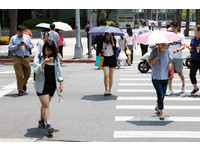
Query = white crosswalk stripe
x=132 y=84
x=156 y=134
x=150 y=107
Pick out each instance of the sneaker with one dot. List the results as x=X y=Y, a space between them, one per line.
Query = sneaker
x=49 y=129
x=195 y=91
x=170 y=92
x=183 y=90
x=25 y=88
x=118 y=65
x=41 y=124
x=20 y=93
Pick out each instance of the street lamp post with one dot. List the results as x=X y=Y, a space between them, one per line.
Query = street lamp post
x=78 y=53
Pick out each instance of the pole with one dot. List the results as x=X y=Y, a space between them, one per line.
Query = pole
x=156 y=14
x=78 y=53
x=90 y=36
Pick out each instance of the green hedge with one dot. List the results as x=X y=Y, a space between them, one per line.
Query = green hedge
x=31 y=23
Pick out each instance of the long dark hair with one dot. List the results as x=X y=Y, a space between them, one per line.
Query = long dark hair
x=106 y=40
x=129 y=31
x=51 y=46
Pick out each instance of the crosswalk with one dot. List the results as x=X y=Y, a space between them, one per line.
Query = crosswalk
x=8 y=80
x=135 y=109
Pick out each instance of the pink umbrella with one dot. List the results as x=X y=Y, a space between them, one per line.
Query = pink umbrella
x=156 y=37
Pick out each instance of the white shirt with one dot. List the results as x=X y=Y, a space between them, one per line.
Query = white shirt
x=40 y=46
x=130 y=39
x=54 y=36
x=109 y=51
x=117 y=40
x=176 y=45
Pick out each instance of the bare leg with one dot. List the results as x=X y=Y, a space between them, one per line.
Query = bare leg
x=182 y=78
x=170 y=84
x=111 y=71
x=106 y=77
x=44 y=99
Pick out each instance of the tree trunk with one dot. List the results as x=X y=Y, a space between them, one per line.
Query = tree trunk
x=0 y=22
x=179 y=18
x=187 y=22
x=13 y=25
x=99 y=15
x=197 y=16
x=44 y=13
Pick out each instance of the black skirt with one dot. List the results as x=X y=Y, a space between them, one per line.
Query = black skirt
x=110 y=61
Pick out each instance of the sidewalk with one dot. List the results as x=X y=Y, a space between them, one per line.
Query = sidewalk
x=68 y=51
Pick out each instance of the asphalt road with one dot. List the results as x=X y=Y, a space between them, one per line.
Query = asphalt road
x=86 y=115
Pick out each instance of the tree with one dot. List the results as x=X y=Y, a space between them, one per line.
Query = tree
x=179 y=18
x=0 y=22
x=13 y=25
x=197 y=16
x=44 y=13
x=187 y=22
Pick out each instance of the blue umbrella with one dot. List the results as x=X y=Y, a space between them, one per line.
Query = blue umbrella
x=105 y=29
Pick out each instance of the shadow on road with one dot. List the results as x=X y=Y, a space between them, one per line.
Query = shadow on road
x=99 y=97
x=14 y=95
x=151 y=123
x=38 y=133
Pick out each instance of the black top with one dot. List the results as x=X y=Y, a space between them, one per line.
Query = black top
x=49 y=72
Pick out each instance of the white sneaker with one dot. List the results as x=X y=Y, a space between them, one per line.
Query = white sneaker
x=169 y=93
x=183 y=90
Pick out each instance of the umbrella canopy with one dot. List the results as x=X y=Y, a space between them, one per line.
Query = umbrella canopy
x=62 y=26
x=43 y=25
x=156 y=37
x=105 y=29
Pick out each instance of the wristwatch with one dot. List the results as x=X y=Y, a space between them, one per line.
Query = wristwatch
x=177 y=50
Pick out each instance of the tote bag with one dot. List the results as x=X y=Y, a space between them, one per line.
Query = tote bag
x=99 y=61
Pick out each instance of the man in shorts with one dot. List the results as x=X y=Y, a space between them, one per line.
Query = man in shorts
x=176 y=48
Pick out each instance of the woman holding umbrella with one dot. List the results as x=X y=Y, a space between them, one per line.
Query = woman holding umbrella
x=109 y=52
x=159 y=60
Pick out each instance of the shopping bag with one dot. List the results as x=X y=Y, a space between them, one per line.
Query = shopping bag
x=122 y=56
x=99 y=61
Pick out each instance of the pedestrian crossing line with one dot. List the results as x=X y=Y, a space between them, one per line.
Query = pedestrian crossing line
x=156 y=134
x=146 y=75
x=149 y=90
x=9 y=88
x=145 y=79
x=150 y=107
x=144 y=84
x=137 y=98
x=155 y=119
x=7 y=72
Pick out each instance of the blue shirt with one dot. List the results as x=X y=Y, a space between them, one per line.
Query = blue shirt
x=194 y=43
x=23 y=50
x=159 y=68
x=143 y=30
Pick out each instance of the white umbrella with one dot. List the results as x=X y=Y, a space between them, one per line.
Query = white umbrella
x=43 y=25
x=62 y=26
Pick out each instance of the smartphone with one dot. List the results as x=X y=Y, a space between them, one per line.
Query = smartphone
x=22 y=42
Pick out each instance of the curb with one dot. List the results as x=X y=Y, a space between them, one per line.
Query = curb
x=64 y=61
